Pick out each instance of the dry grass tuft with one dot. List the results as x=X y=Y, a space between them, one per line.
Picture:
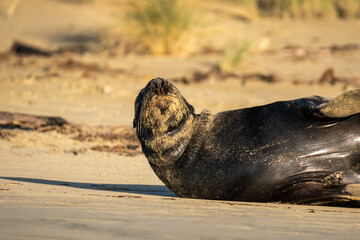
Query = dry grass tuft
x=233 y=56
x=163 y=27
x=8 y=7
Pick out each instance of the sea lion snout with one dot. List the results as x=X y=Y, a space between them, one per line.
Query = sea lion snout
x=160 y=85
x=159 y=82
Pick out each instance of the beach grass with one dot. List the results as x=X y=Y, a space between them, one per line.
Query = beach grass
x=163 y=27
x=233 y=55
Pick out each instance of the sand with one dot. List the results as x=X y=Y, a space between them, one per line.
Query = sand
x=48 y=192
x=53 y=186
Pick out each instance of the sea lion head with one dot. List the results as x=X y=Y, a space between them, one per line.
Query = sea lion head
x=160 y=111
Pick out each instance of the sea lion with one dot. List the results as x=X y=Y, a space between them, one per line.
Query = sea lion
x=300 y=151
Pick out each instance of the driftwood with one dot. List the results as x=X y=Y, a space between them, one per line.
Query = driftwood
x=20 y=48
x=124 y=137
x=329 y=77
x=29 y=121
x=301 y=52
x=216 y=73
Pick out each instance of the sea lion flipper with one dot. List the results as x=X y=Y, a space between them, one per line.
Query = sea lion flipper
x=353 y=190
x=344 y=105
x=349 y=197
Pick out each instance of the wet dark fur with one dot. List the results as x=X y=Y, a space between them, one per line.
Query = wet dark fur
x=284 y=152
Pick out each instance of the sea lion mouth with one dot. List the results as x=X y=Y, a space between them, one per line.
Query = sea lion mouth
x=162 y=103
x=165 y=112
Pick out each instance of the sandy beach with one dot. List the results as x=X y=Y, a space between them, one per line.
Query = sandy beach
x=60 y=183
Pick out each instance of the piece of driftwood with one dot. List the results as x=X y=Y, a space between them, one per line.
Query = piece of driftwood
x=122 y=138
x=216 y=73
x=21 y=48
x=344 y=48
x=269 y=78
x=28 y=121
x=304 y=51
x=329 y=77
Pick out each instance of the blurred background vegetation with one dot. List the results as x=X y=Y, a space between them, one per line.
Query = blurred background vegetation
x=109 y=43
x=163 y=26
x=173 y=27
x=305 y=8
x=173 y=21
x=181 y=27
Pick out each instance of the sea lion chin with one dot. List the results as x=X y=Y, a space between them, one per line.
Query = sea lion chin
x=305 y=150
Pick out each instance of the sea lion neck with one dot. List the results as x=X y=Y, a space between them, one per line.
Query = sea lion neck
x=167 y=153
x=165 y=148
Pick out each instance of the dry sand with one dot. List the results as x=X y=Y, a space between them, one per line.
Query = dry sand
x=53 y=186
x=48 y=192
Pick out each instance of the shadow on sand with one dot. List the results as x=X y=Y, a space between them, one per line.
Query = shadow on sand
x=157 y=190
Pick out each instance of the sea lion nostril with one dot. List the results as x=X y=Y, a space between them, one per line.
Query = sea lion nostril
x=155 y=85
x=159 y=83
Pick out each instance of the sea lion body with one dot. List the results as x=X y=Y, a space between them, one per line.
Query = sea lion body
x=287 y=151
